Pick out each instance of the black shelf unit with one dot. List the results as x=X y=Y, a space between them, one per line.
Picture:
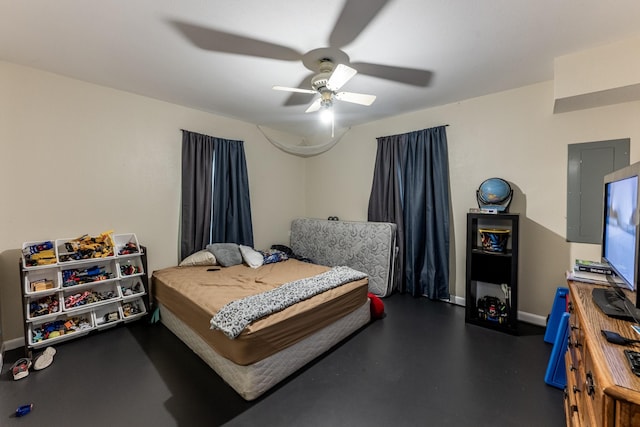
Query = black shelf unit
x=487 y=271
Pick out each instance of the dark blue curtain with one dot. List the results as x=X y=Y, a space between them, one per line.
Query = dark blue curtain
x=231 y=220
x=411 y=188
x=385 y=203
x=215 y=193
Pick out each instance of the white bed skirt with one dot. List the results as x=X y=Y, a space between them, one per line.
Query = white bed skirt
x=253 y=380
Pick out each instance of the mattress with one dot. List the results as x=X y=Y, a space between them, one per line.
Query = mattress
x=251 y=381
x=194 y=295
x=369 y=247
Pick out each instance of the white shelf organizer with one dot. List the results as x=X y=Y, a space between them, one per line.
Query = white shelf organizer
x=68 y=298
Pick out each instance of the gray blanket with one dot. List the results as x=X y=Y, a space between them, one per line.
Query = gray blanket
x=235 y=316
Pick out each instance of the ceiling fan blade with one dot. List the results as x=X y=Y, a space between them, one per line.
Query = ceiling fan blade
x=410 y=76
x=341 y=74
x=355 y=98
x=315 y=106
x=354 y=18
x=300 y=98
x=294 y=89
x=221 y=41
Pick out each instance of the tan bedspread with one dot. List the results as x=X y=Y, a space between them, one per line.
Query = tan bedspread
x=195 y=295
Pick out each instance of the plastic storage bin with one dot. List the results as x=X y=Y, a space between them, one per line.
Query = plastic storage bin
x=43 y=307
x=38 y=254
x=93 y=247
x=558 y=309
x=107 y=316
x=78 y=299
x=556 y=374
x=130 y=267
x=41 y=281
x=85 y=275
x=126 y=244
x=131 y=287
x=133 y=309
x=61 y=328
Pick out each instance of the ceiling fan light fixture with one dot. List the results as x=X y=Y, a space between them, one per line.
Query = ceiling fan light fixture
x=326 y=83
x=326 y=114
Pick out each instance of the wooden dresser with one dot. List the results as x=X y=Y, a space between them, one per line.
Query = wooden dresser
x=601 y=389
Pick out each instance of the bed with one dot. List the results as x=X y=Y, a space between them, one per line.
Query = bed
x=271 y=348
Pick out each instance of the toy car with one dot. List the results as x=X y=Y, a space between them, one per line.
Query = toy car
x=492 y=309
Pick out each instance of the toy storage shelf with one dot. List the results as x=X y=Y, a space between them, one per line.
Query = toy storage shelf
x=80 y=296
x=492 y=273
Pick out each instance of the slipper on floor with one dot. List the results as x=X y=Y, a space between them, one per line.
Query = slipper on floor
x=20 y=369
x=44 y=359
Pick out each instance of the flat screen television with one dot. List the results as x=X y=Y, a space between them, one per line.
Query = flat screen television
x=620 y=231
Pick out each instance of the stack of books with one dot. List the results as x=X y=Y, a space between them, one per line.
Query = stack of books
x=593 y=272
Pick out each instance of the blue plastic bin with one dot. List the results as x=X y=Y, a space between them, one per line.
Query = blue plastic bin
x=558 y=309
x=556 y=374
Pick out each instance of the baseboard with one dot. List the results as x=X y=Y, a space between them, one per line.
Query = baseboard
x=12 y=344
x=9 y=345
x=523 y=316
x=534 y=319
x=457 y=300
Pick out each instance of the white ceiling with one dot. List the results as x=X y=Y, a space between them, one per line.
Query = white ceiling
x=174 y=50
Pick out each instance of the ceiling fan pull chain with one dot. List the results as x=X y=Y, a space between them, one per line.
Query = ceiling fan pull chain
x=333 y=121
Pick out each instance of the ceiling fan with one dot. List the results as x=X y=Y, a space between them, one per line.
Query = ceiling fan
x=327 y=83
x=354 y=18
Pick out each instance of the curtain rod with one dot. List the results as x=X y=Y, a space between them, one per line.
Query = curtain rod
x=433 y=127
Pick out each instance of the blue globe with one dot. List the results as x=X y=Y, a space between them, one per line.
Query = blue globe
x=494 y=193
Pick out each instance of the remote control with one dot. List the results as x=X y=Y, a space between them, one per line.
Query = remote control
x=634 y=361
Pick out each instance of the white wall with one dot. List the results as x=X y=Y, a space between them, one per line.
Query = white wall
x=78 y=158
x=512 y=135
x=603 y=75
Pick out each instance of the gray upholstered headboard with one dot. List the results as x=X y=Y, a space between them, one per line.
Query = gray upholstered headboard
x=369 y=247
